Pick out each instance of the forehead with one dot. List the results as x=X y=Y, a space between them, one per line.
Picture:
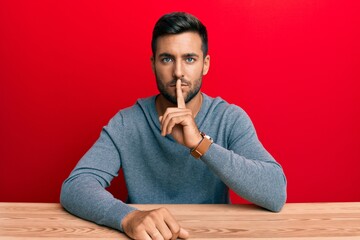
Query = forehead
x=179 y=44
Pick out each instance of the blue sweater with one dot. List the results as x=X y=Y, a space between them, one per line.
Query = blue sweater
x=157 y=169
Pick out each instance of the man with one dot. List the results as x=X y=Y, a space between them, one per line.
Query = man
x=162 y=144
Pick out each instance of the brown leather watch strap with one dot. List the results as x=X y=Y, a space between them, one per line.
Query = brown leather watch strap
x=203 y=146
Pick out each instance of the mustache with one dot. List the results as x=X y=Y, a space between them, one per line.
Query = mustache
x=183 y=81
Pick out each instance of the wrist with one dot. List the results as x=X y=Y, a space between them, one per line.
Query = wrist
x=202 y=147
x=127 y=219
x=196 y=141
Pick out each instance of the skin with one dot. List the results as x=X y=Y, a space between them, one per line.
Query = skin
x=179 y=56
x=179 y=65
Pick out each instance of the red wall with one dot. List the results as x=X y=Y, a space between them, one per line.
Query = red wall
x=66 y=67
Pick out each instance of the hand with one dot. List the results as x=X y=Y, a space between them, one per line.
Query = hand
x=156 y=224
x=180 y=123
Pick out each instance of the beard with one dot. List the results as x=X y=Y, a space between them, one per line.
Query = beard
x=171 y=96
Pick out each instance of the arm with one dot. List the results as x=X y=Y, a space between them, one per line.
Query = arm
x=83 y=193
x=246 y=167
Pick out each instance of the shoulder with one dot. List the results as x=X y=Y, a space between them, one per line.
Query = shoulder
x=221 y=108
x=133 y=114
x=232 y=121
x=229 y=119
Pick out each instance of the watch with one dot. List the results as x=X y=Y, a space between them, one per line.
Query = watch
x=202 y=147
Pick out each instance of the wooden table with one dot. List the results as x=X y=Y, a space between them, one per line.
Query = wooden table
x=295 y=221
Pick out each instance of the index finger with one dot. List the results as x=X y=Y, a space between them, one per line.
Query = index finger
x=179 y=95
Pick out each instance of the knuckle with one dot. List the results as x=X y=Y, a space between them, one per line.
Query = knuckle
x=172 y=121
x=158 y=237
x=176 y=228
x=163 y=210
x=168 y=235
x=169 y=110
x=152 y=215
x=165 y=119
x=139 y=228
x=148 y=220
x=172 y=115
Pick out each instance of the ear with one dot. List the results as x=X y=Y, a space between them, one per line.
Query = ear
x=152 y=63
x=206 y=64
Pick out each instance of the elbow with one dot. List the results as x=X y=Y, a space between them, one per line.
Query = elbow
x=272 y=201
x=279 y=204
x=276 y=204
x=280 y=195
x=278 y=199
x=63 y=194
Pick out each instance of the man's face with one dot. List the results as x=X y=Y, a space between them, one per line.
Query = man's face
x=179 y=56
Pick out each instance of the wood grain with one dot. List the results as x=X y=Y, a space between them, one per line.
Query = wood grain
x=317 y=221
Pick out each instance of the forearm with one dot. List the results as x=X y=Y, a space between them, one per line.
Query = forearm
x=260 y=181
x=85 y=197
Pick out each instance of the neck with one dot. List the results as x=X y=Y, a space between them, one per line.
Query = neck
x=194 y=105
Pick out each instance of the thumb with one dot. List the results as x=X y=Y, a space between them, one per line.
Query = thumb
x=183 y=234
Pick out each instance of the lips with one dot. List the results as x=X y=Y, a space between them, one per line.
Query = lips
x=184 y=83
x=174 y=85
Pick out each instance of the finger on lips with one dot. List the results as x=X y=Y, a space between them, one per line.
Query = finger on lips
x=170 y=113
x=179 y=95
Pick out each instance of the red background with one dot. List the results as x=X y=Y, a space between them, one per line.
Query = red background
x=66 y=67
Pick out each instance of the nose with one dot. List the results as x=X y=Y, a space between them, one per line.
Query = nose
x=178 y=71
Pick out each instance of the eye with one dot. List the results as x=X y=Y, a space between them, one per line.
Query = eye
x=166 y=60
x=190 y=59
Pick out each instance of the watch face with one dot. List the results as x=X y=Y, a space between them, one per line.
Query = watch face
x=208 y=137
x=203 y=146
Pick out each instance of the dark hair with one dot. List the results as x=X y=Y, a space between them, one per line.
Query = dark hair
x=179 y=22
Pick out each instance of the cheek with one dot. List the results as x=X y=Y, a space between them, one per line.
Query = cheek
x=195 y=70
x=163 y=72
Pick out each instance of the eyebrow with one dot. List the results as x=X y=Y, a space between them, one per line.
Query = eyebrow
x=165 y=55
x=184 y=55
x=191 y=55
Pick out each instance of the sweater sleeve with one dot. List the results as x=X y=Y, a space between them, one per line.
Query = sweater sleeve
x=83 y=193
x=246 y=167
